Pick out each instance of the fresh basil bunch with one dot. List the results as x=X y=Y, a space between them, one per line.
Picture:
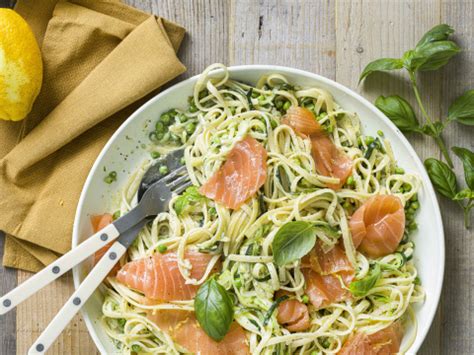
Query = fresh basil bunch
x=432 y=52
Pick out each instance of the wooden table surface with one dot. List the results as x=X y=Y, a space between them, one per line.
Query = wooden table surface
x=335 y=39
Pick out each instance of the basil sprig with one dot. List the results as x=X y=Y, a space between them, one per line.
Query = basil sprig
x=214 y=309
x=293 y=241
x=445 y=182
x=360 y=288
x=433 y=51
x=191 y=195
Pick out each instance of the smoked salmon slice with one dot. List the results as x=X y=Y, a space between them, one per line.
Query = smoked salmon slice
x=384 y=342
x=324 y=272
x=98 y=222
x=240 y=177
x=184 y=329
x=326 y=263
x=158 y=276
x=324 y=290
x=378 y=225
x=329 y=159
x=293 y=315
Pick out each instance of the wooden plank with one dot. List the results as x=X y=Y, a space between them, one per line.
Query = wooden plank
x=35 y=314
x=375 y=29
x=299 y=34
x=457 y=304
x=8 y=321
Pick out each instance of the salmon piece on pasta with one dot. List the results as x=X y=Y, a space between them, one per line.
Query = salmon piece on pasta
x=184 y=329
x=378 y=225
x=330 y=160
x=158 y=276
x=384 y=342
x=324 y=274
x=240 y=177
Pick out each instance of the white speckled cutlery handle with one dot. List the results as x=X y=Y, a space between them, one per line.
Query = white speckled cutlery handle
x=59 y=267
x=78 y=298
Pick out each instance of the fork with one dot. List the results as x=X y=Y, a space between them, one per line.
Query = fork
x=153 y=201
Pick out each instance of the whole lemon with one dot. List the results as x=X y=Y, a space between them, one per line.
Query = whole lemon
x=21 y=68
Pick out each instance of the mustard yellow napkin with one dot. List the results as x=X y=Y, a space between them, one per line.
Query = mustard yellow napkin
x=101 y=60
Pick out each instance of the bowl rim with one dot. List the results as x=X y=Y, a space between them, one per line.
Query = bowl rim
x=435 y=295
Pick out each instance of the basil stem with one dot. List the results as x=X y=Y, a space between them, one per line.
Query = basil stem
x=436 y=133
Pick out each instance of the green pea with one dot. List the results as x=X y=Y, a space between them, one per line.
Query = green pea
x=162 y=248
x=415 y=197
x=399 y=170
x=279 y=104
x=407 y=187
x=412 y=226
x=212 y=211
x=369 y=139
x=190 y=127
x=322 y=115
x=346 y=204
x=330 y=128
x=415 y=205
x=286 y=105
x=160 y=136
x=116 y=215
x=155 y=155
x=121 y=321
x=305 y=299
x=193 y=108
x=163 y=170
x=182 y=161
x=261 y=99
x=238 y=282
x=417 y=281
x=273 y=123
x=314 y=352
x=350 y=180
x=136 y=348
x=172 y=113
x=380 y=133
x=165 y=118
x=182 y=118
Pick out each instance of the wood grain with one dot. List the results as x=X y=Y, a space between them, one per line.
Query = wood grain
x=335 y=39
x=8 y=321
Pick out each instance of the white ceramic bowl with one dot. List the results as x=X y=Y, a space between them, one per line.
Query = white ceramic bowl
x=123 y=154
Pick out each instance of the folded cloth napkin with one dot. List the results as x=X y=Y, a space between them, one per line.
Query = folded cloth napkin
x=101 y=60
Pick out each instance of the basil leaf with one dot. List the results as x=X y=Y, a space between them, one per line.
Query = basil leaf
x=293 y=241
x=190 y=195
x=442 y=177
x=399 y=111
x=463 y=194
x=214 y=309
x=382 y=64
x=467 y=158
x=462 y=109
x=437 y=33
x=360 y=288
x=433 y=55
